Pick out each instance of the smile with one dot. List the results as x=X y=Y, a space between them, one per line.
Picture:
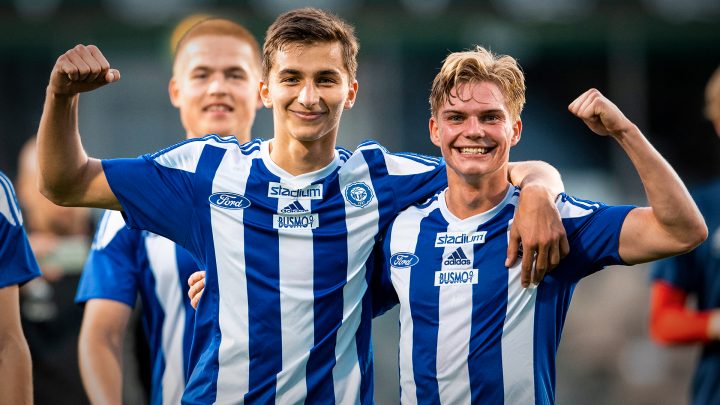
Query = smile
x=218 y=108
x=475 y=150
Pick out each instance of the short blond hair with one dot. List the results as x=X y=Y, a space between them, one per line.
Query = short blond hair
x=712 y=97
x=214 y=26
x=479 y=65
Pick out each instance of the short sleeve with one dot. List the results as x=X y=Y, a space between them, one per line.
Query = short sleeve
x=17 y=261
x=112 y=269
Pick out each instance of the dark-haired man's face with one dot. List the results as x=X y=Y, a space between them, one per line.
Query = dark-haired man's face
x=308 y=89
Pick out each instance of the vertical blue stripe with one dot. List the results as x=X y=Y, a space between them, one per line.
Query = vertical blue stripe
x=330 y=255
x=186 y=266
x=425 y=311
x=10 y=197
x=489 y=306
x=203 y=369
x=262 y=247
x=363 y=339
x=153 y=319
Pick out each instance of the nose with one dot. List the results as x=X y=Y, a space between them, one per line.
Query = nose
x=474 y=128
x=308 y=95
x=217 y=85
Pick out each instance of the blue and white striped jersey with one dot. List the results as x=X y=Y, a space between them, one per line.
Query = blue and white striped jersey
x=285 y=317
x=17 y=262
x=124 y=262
x=469 y=332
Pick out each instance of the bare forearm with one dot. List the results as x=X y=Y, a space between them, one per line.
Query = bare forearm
x=101 y=369
x=15 y=370
x=672 y=207
x=536 y=173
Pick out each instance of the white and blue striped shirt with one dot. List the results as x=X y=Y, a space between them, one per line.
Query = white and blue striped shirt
x=285 y=317
x=17 y=262
x=469 y=332
x=126 y=262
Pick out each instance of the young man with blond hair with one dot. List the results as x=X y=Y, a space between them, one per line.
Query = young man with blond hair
x=468 y=332
x=284 y=228
x=215 y=70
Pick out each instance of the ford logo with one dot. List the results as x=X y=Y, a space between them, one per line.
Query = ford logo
x=403 y=259
x=230 y=201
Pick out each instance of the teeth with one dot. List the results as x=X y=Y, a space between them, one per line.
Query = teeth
x=218 y=107
x=481 y=151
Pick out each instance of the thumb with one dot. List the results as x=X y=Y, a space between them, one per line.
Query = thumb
x=112 y=75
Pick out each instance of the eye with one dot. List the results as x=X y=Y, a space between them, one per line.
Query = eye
x=290 y=80
x=454 y=118
x=199 y=75
x=492 y=118
x=326 y=81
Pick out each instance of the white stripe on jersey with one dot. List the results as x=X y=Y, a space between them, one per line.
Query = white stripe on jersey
x=110 y=224
x=8 y=207
x=405 y=231
x=229 y=237
x=518 y=339
x=362 y=226
x=453 y=340
x=163 y=263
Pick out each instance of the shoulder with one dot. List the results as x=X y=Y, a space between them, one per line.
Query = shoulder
x=397 y=163
x=9 y=208
x=186 y=155
x=111 y=227
x=573 y=207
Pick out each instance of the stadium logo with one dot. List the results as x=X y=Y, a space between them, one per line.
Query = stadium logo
x=294 y=208
x=307 y=221
x=459 y=238
x=358 y=194
x=403 y=259
x=311 y=192
x=457 y=258
x=229 y=201
x=456 y=277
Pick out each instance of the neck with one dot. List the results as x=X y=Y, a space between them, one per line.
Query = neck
x=465 y=199
x=300 y=157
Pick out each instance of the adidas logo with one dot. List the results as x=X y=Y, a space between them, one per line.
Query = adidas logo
x=457 y=258
x=294 y=208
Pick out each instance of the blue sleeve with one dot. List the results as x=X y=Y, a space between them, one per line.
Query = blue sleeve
x=111 y=270
x=593 y=231
x=17 y=262
x=153 y=197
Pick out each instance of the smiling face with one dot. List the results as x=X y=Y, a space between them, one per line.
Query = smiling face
x=308 y=88
x=214 y=85
x=475 y=132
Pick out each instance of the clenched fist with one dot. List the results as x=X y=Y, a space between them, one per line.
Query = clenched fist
x=82 y=68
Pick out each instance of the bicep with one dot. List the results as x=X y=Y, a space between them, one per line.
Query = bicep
x=105 y=318
x=98 y=193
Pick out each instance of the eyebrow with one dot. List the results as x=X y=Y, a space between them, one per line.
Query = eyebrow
x=326 y=72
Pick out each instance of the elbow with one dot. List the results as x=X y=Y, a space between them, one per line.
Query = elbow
x=57 y=195
x=694 y=236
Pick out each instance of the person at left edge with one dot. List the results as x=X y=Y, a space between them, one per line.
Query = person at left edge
x=17 y=267
x=215 y=71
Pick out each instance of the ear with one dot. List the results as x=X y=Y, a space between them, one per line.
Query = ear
x=352 y=93
x=517 y=130
x=264 y=94
x=174 y=92
x=434 y=132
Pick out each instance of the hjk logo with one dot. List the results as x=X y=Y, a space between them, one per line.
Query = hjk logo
x=403 y=259
x=457 y=258
x=311 y=192
x=358 y=194
x=459 y=238
x=294 y=208
x=230 y=201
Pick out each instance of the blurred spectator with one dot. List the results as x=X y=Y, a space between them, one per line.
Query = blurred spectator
x=60 y=237
x=695 y=277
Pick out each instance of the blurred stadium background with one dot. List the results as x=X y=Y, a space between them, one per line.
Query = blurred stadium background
x=652 y=57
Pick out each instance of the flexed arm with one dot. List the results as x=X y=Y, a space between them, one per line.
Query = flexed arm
x=672 y=224
x=67 y=175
